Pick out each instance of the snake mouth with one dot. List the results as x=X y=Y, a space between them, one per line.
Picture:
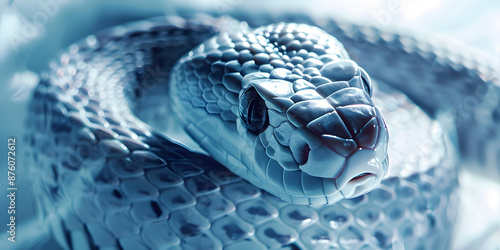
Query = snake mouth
x=360 y=176
x=358 y=185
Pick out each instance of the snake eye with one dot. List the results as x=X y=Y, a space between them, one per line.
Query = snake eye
x=253 y=111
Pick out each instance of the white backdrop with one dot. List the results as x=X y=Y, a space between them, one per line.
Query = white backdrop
x=33 y=31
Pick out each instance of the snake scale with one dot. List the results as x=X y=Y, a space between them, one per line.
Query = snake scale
x=108 y=180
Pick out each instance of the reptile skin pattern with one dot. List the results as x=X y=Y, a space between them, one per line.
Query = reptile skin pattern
x=326 y=166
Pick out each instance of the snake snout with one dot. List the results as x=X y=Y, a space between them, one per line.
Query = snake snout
x=314 y=157
x=353 y=153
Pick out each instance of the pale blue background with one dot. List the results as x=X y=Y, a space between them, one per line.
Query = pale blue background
x=33 y=31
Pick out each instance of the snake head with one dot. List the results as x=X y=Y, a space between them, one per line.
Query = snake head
x=304 y=128
x=323 y=132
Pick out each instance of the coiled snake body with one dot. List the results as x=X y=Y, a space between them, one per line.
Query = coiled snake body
x=286 y=112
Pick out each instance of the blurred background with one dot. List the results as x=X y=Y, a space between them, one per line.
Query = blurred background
x=33 y=32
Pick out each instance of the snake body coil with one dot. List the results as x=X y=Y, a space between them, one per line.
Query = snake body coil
x=281 y=106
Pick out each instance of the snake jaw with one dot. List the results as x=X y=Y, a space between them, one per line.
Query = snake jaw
x=362 y=173
x=355 y=168
x=359 y=185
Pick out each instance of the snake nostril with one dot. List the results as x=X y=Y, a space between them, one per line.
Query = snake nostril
x=301 y=144
x=304 y=156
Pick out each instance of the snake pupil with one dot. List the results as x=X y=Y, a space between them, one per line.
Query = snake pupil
x=250 y=114
x=253 y=111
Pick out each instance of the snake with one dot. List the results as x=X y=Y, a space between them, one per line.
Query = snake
x=313 y=133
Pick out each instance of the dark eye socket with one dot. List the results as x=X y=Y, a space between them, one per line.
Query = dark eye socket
x=253 y=111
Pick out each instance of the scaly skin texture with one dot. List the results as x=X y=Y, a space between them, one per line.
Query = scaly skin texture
x=107 y=179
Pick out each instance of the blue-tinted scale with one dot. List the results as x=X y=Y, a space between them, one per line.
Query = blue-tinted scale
x=100 y=235
x=121 y=224
x=231 y=228
x=296 y=215
x=233 y=231
x=281 y=238
x=351 y=237
x=383 y=239
x=147 y=159
x=240 y=191
x=316 y=236
x=256 y=211
x=381 y=195
x=163 y=178
x=176 y=198
x=219 y=174
x=199 y=185
x=188 y=222
x=112 y=199
x=125 y=167
x=147 y=211
x=200 y=241
x=245 y=244
x=214 y=205
x=139 y=188
x=186 y=169
x=159 y=234
x=335 y=218
x=132 y=242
